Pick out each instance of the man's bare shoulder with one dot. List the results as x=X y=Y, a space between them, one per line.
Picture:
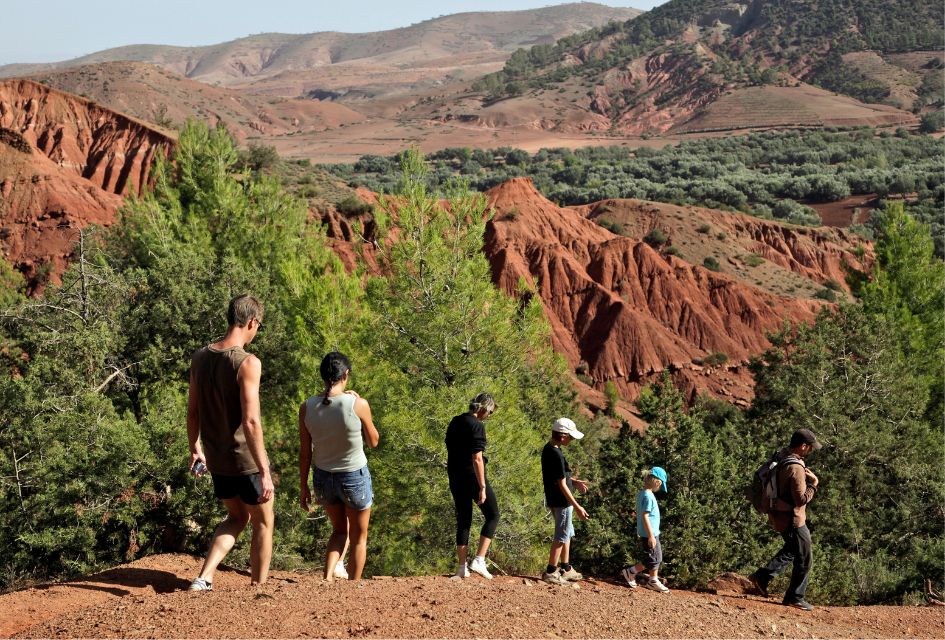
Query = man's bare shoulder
x=251 y=364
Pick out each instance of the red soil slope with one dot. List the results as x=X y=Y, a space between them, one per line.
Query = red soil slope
x=144 y=599
x=629 y=311
x=65 y=162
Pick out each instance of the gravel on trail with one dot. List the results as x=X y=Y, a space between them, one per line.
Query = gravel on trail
x=145 y=599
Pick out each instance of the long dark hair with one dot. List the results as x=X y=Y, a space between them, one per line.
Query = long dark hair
x=333 y=368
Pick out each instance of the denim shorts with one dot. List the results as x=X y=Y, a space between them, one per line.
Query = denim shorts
x=350 y=488
x=564 y=527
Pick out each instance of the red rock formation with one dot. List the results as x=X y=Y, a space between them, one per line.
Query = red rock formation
x=627 y=310
x=820 y=255
x=65 y=162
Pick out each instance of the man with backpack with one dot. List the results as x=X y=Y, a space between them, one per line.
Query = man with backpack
x=786 y=486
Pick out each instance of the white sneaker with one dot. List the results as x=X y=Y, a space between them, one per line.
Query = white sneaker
x=340 y=572
x=630 y=577
x=571 y=575
x=478 y=565
x=462 y=571
x=656 y=585
x=554 y=578
x=199 y=584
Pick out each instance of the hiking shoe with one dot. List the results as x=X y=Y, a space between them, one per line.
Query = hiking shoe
x=554 y=577
x=199 y=584
x=803 y=605
x=630 y=577
x=571 y=575
x=462 y=571
x=756 y=583
x=340 y=572
x=478 y=565
x=656 y=585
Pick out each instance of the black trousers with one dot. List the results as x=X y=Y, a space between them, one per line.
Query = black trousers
x=798 y=550
x=465 y=490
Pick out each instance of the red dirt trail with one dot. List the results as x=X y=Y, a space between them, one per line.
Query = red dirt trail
x=144 y=599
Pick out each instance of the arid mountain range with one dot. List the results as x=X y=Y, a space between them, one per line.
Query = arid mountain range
x=331 y=63
x=571 y=75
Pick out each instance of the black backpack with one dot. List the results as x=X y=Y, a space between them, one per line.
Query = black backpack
x=763 y=492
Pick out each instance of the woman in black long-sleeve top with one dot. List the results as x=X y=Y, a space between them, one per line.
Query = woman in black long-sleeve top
x=466 y=467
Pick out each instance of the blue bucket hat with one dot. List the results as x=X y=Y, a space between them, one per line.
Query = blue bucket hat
x=660 y=474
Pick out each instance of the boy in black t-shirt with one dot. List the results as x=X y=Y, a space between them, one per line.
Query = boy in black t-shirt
x=556 y=477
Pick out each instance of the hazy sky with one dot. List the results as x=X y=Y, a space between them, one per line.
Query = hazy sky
x=51 y=30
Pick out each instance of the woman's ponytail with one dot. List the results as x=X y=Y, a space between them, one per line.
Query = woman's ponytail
x=333 y=368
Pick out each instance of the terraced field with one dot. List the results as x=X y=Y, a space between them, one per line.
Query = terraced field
x=903 y=84
x=802 y=105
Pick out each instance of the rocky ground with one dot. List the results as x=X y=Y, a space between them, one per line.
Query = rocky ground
x=145 y=599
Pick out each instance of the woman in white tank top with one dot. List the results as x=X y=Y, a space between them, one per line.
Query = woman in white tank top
x=333 y=429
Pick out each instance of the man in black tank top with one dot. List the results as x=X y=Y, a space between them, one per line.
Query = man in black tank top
x=225 y=433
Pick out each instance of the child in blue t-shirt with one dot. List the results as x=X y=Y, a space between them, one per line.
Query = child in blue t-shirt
x=648 y=530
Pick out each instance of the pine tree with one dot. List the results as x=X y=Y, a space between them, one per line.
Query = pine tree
x=908 y=289
x=877 y=517
x=444 y=333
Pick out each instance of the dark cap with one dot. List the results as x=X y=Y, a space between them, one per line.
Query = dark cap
x=804 y=436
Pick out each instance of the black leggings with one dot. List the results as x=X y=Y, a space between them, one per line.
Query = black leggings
x=465 y=490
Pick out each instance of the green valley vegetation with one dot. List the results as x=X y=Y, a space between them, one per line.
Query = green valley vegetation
x=765 y=174
x=737 y=45
x=93 y=445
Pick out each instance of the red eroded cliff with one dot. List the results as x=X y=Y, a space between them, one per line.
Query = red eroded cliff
x=65 y=162
x=627 y=310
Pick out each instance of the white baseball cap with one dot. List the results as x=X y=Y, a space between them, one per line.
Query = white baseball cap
x=567 y=427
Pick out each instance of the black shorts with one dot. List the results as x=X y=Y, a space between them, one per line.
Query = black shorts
x=248 y=488
x=651 y=558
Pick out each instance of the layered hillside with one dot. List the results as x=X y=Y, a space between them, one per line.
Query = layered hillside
x=157 y=95
x=697 y=65
x=625 y=311
x=780 y=258
x=65 y=162
x=422 y=53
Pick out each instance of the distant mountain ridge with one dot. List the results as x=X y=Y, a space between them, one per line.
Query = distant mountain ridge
x=266 y=55
x=671 y=64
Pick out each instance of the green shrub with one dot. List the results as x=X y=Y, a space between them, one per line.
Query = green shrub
x=704 y=228
x=610 y=225
x=354 y=206
x=752 y=259
x=715 y=359
x=260 y=157
x=613 y=397
x=711 y=264
x=655 y=238
x=932 y=122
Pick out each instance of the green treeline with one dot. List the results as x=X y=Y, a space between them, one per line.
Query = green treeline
x=93 y=447
x=765 y=174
